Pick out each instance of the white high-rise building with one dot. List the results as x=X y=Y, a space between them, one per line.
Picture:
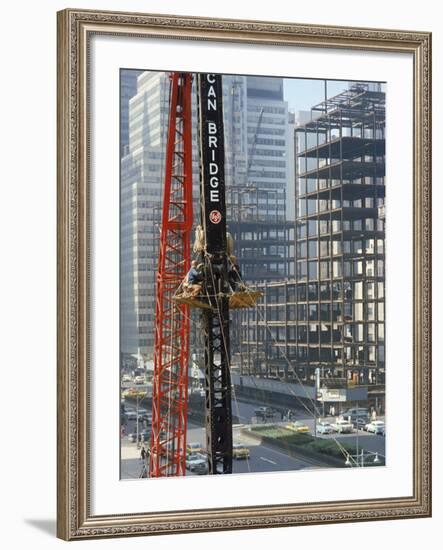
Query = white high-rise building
x=128 y=89
x=258 y=173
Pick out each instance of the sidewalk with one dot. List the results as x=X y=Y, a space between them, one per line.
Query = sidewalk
x=129 y=450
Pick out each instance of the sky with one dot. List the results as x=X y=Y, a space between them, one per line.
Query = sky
x=302 y=94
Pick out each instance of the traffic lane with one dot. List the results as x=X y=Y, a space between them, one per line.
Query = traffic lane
x=245 y=411
x=262 y=458
x=265 y=459
x=196 y=433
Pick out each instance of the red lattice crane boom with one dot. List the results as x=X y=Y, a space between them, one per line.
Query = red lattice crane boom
x=171 y=348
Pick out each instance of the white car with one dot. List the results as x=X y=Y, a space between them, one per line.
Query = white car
x=193 y=460
x=324 y=428
x=131 y=414
x=376 y=427
x=342 y=426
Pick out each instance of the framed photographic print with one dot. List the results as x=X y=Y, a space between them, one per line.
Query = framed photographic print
x=243 y=274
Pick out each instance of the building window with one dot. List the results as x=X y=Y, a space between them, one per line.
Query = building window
x=325 y=291
x=381 y=311
x=324 y=270
x=324 y=248
x=313 y=292
x=312 y=249
x=325 y=312
x=337 y=268
x=312 y=228
x=358 y=290
x=370 y=311
x=301 y=270
x=371 y=332
x=312 y=270
x=302 y=250
x=358 y=312
x=313 y=312
x=301 y=293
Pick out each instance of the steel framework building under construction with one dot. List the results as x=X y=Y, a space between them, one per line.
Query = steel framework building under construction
x=331 y=315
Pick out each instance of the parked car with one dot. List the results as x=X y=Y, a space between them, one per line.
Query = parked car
x=130 y=414
x=196 y=459
x=240 y=451
x=147 y=417
x=142 y=436
x=324 y=428
x=356 y=412
x=298 y=426
x=376 y=427
x=360 y=423
x=194 y=447
x=201 y=468
x=342 y=426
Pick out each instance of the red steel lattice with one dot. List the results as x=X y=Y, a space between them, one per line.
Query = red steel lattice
x=171 y=348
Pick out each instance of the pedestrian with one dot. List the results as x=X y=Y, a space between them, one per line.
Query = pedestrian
x=143 y=453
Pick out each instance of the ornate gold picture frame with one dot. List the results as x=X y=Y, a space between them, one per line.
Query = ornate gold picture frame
x=75 y=30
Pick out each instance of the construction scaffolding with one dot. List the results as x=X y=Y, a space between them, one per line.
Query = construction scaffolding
x=331 y=315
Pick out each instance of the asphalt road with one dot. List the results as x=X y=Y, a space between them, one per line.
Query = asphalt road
x=262 y=458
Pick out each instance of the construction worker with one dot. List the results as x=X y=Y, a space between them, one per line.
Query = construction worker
x=235 y=277
x=194 y=279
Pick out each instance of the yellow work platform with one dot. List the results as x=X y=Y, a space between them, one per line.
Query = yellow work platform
x=237 y=300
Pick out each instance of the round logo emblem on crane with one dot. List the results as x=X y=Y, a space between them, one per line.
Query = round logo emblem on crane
x=215 y=216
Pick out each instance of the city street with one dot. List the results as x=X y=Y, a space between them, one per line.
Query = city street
x=262 y=458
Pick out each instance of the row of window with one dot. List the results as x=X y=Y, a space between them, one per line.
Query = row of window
x=313 y=292
x=313 y=205
x=266 y=131
x=315 y=249
x=352 y=355
x=266 y=109
x=326 y=269
x=333 y=312
x=267 y=174
x=267 y=120
x=310 y=185
x=313 y=228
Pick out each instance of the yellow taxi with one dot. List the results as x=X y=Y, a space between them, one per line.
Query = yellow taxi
x=240 y=451
x=298 y=426
x=194 y=447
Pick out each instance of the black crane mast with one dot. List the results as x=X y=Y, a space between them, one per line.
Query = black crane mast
x=215 y=270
